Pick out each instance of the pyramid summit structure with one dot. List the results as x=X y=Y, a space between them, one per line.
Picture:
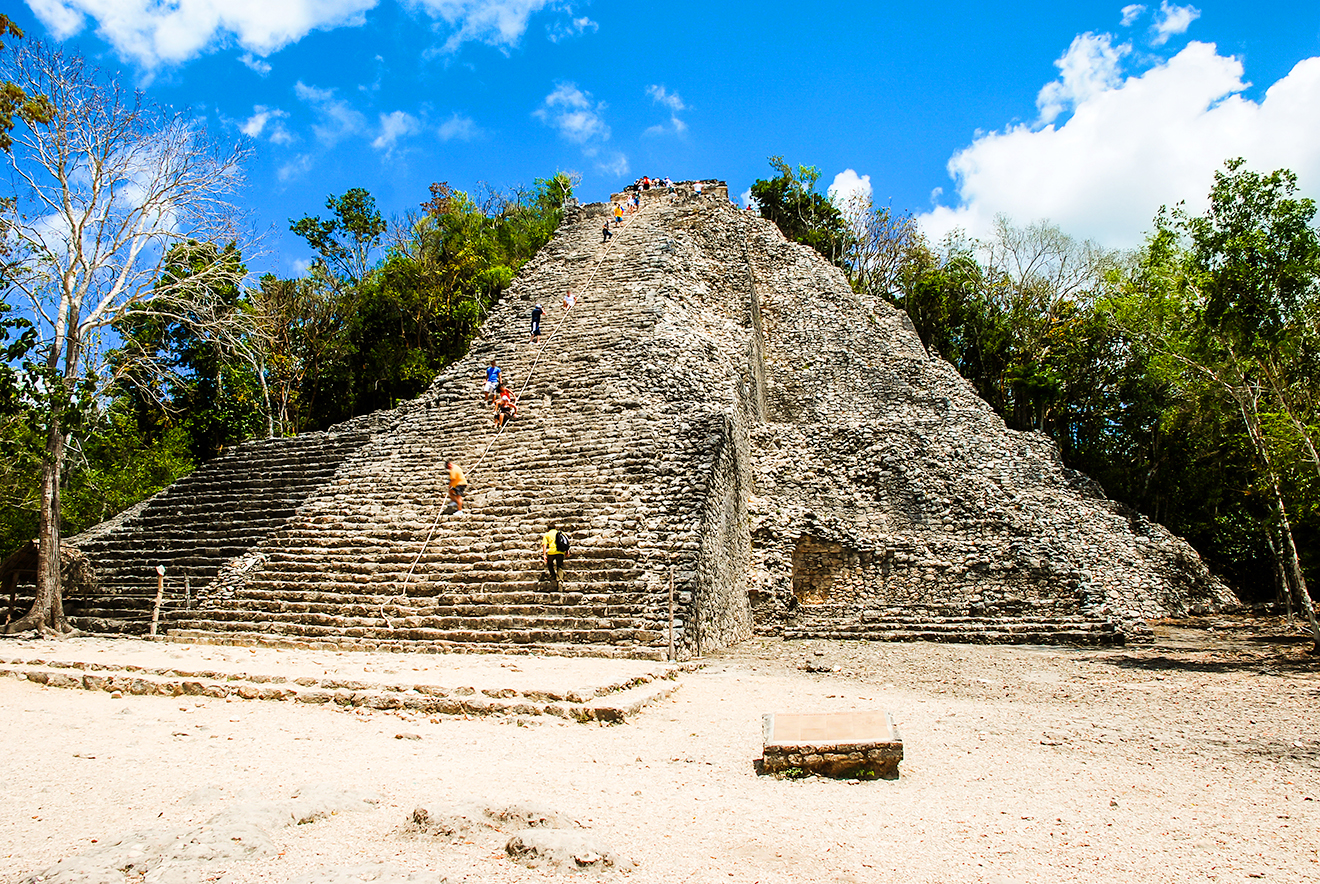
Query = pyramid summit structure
x=735 y=442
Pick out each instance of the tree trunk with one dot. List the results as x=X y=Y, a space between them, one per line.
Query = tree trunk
x=1292 y=566
x=47 y=612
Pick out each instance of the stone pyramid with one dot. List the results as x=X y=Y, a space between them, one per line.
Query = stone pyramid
x=719 y=421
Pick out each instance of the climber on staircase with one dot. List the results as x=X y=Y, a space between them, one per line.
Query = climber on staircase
x=506 y=406
x=490 y=388
x=457 y=485
x=537 y=312
x=554 y=547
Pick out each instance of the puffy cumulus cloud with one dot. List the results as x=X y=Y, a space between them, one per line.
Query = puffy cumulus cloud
x=1089 y=67
x=1173 y=20
x=575 y=114
x=458 y=127
x=495 y=22
x=848 y=188
x=671 y=101
x=336 y=118
x=1130 y=14
x=267 y=121
x=393 y=126
x=1150 y=140
x=162 y=32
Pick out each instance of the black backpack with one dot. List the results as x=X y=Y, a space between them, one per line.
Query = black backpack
x=561 y=542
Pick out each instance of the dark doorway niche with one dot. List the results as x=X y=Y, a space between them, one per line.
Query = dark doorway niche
x=815 y=562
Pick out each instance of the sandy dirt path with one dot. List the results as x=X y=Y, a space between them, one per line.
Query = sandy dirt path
x=1196 y=759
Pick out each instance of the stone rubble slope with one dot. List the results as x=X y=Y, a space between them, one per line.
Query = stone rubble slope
x=891 y=502
x=719 y=414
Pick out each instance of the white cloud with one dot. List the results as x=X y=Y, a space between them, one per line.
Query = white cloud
x=495 y=22
x=1173 y=20
x=616 y=164
x=848 y=186
x=254 y=63
x=1089 y=67
x=1131 y=14
x=393 y=126
x=1150 y=140
x=745 y=198
x=560 y=30
x=460 y=127
x=671 y=100
x=164 y=32
x=262 y=117
x=63 y=20
x=576 y=115
x=295 y=168
x=338 y=119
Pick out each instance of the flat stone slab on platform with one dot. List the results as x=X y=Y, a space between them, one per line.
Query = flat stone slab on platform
x=862 y=745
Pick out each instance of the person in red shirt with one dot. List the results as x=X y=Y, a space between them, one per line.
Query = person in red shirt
x=506 y=406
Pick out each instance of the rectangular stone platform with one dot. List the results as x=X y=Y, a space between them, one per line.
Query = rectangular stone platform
x=847 y=745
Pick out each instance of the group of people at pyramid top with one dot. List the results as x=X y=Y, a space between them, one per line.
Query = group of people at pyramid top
x=648 y=183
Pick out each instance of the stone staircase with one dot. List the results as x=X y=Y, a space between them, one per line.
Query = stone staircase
x=950 y=624
x=217 y=512
x=370 y=562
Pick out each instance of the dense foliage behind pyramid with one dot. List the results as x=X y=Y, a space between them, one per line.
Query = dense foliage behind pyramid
x=719 y=413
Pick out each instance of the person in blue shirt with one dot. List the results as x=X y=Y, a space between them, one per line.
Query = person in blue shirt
x=536 y=322
x=492 y=382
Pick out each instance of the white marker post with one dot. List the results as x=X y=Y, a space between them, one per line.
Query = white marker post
x=160 y=595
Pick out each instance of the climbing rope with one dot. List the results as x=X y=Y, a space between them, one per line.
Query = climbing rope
x=540 y=351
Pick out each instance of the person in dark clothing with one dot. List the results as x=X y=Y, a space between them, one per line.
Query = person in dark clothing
x=537 y=311
x=605 y=233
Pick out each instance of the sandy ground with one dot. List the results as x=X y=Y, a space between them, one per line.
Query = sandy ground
x=1197 y=758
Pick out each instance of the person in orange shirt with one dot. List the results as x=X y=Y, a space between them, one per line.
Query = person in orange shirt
x=457 y=485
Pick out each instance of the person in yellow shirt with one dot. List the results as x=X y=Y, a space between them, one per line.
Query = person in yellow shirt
x=554 y=547
x=457 y=485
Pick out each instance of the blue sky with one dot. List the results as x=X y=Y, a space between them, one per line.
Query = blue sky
x=1089 y=114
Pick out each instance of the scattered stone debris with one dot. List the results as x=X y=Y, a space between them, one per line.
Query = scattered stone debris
x=559 y=849
x=202 y=853
x=541 y=838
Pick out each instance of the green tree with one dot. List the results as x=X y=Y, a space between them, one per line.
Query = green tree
x=188 y=357
x=16 y=102
x=1229 y=297
x=345 y=243
x=790 y=200
x=102 y=192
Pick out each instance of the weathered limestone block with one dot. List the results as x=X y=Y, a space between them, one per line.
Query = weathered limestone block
x=850 y=745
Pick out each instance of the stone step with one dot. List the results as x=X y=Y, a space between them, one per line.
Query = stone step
x=969 y=630
x=610 y=703
x=378 y=630
x=397 y=643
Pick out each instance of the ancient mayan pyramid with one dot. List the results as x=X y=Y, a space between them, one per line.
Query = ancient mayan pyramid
x=719 y=415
